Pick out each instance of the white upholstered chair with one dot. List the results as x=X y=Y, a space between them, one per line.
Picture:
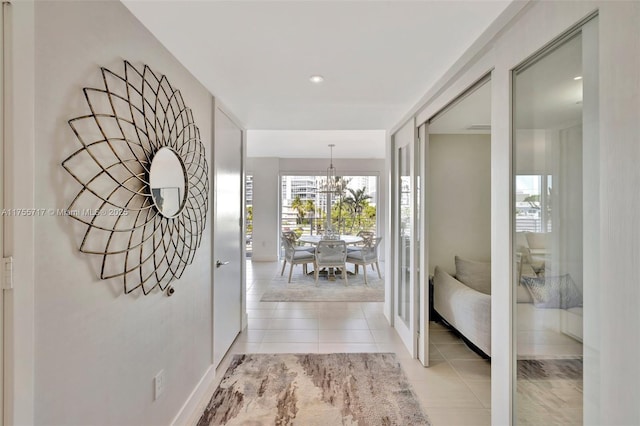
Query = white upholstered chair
x=331 y=254
x=368 y=255
x=295 y=257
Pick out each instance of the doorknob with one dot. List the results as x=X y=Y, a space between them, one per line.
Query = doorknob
x=219 y=263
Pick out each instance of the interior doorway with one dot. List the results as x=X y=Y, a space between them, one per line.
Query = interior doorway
x=459 y=217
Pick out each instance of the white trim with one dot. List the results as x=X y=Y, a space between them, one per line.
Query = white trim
x=4 y=60
x=192 y=404
x=19 y=234
x=423 y=261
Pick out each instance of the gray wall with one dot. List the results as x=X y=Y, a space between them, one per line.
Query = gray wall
x=459 y=199
x=96 y=349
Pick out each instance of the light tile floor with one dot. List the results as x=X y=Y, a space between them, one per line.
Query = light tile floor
x=454 y=390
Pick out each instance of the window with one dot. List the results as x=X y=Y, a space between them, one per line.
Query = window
x=304 y=205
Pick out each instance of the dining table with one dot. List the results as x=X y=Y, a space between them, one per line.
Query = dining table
x=314 y=239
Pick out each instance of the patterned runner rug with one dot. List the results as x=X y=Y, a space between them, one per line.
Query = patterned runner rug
x=313 y=390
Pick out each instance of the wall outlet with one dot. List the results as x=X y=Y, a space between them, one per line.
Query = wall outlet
x=158 y=382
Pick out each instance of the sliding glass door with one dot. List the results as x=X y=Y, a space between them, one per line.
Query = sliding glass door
x=555 y=250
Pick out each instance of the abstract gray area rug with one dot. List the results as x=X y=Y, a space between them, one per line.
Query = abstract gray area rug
x=314 y=390
x=302 y=288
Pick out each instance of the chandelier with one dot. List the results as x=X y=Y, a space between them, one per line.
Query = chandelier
x=331 y=172
x=332 y=184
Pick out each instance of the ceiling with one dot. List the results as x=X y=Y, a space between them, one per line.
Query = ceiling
x=468 y=115
x=366 y=144
x=378 y=58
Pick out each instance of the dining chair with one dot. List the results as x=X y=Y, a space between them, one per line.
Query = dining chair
x=295 y=257
x=331 y=254
x=293 y=237
x=368 y=255
x=366 y=236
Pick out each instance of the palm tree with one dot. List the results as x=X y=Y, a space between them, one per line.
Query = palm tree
x=298 y=206
x=357 y=200
x=310 y=210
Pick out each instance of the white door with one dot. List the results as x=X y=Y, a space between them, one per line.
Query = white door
x=227 y=229
x=3 y=103
x=404 y=234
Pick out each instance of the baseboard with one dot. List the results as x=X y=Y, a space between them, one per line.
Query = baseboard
x=185 y=415
x=264 y=258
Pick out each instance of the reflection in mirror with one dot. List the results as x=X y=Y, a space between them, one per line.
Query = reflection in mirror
x=167 y=179
x=548 y=236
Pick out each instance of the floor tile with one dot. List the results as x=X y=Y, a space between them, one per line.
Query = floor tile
x=386 y=335
x=434 y=353
x=343 y=324
x=347 y=347
x=456 y=351
x=443 y=336
x=297 y=305
x=278 y=347
x=472 y=369
x=459 y=416
x=251 y=336
x=244 y=348
x=294 y=324
x=482 y=391
x=259 y=323
x=290 y=336
x=378 y=323
x=437 y=370
x=259 y=313
x=436 y=326
x=295 y=313
x=445 y=394
x=345 y=336
x=261 y=305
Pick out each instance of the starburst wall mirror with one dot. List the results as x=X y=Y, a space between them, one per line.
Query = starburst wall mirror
x=144 y=179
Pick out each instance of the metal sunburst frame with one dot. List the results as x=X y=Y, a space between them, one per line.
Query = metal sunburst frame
x=130 y=119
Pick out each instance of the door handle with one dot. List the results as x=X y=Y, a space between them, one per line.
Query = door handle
x=219 y=263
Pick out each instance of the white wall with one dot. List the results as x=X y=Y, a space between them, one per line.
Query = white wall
x=611 y=291
x=266 y=173
x=459 y=199
x=97 y=349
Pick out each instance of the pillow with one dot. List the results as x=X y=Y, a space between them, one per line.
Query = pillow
x=476 y=275
x=522 y=247
x=537 y=240
x=553 y=291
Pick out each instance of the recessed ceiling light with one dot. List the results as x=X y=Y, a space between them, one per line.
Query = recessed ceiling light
x=578 y=77
x=316 y=79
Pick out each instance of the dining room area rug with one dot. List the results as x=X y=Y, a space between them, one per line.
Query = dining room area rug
x=302 y=288
x=313 y=390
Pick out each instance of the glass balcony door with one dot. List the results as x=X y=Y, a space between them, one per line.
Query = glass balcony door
x=405 y=234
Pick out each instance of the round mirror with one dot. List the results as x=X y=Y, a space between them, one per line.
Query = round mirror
x=167 y=179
